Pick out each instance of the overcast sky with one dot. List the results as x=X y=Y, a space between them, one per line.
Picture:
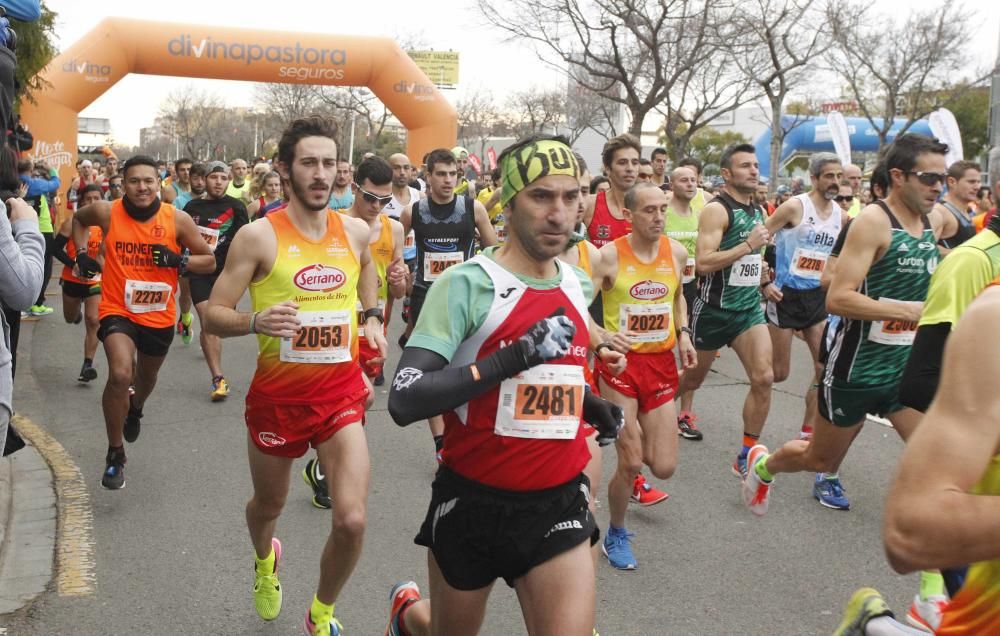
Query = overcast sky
x=485 y=59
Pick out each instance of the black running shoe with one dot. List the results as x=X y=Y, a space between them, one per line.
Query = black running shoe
x=687 y=428
x=379 y=379
x=87 y=373
x=132 y=424
x=313 y=476
x=114 y=472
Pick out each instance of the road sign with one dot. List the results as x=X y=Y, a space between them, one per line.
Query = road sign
x=441 y=67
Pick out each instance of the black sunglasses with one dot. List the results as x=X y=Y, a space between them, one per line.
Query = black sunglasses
x=928 y=178
x=840 y=199
x=374 y=198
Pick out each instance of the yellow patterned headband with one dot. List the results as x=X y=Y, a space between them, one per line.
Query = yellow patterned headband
x=533 y=161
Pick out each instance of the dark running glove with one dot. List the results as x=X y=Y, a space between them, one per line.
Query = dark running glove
x=606 y=417
x=88 y=266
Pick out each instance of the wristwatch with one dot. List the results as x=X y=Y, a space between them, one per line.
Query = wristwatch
x=374 y=312
x=687 y=330
x=602 y=345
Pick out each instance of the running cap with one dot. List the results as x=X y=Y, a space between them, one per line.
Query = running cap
x=783 y=190
x=458 y=151
x=86 y=163
x=216 y=166
x=533 y=159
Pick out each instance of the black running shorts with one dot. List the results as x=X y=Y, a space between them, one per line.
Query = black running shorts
x=201 y=287
x=478 y=533
x=798 y=309
x=148 y=340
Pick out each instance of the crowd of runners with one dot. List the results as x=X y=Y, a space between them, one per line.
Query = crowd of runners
x=552 y=308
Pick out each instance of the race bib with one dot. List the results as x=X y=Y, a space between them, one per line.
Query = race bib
x=323 y=338
x=361 y=315
x=746 y=271
x=211 y=236
x=893 y=332
x=143 y=297
x=646 y=323
x=808 y=263
x=688 y=271
x=544 y=402
x=501 y=234
x=436 y=262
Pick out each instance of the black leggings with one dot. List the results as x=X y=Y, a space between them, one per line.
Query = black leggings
x=47 y=271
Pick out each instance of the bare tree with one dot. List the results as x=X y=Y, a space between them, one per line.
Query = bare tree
x=700 y=95
x=901 y=68
x=635 y=52
x=781 y=40
x=587 y=110
x=479 y=118
x=196 y=119
x=536 y=109
x=287 y=101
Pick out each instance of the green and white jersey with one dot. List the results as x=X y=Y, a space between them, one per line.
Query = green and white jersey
x=874 y=353
x=736 y=287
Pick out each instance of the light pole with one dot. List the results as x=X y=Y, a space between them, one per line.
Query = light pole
x=350 y=152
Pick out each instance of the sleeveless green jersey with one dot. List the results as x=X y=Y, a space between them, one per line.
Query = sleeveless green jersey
x=873 y=353
x=736 y=287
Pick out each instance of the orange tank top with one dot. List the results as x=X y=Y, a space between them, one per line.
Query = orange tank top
x=584 y=258
x=642 y=300
x=320 y=363
x=93 y=249
x=132 y=286
x=381 y=252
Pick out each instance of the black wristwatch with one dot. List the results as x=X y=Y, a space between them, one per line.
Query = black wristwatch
x=603 y=345
x=688 y=331
x=374 y=312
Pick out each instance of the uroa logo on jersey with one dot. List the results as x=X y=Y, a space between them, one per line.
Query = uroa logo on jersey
x=319 y=278
x=648 y=290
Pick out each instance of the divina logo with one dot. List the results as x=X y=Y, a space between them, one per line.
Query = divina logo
x=208 y=48
x=93 y=72
x=420 y=91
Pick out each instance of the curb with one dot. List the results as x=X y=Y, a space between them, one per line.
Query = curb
x=28 y=523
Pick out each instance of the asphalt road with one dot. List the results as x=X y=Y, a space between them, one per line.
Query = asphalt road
x=173 y=556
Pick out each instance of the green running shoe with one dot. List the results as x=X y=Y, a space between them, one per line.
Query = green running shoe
x=267 y=588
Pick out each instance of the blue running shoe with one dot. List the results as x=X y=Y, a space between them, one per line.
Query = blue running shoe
x=617 y=547
x=830 y=493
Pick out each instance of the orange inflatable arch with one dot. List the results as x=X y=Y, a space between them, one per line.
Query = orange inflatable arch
x=119 y=46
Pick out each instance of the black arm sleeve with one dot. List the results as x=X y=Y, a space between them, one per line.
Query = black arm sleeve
x=920 y=378
x=425 y=386
x=59 y=250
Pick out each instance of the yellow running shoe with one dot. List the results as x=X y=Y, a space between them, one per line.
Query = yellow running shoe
x=220 y=389
x=267 y=588
x=865 y=604
x=324 y=628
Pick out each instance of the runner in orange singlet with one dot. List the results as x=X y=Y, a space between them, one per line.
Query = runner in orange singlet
x=641 y=281
x=81 y=296
x=305 y=266
x=372 y=191
x=143 y=241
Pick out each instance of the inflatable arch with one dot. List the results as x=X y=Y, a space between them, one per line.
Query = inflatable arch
x=812 y=134
x=119 y=46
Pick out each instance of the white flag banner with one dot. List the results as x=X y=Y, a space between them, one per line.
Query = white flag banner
x=945 y=128
x=840 y=136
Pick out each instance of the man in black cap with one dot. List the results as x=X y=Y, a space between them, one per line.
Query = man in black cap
x=218 y=217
